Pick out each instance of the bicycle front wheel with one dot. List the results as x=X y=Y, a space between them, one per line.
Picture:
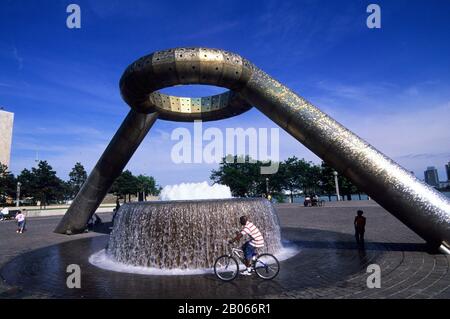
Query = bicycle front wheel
x=267 y=266
x=226 y=268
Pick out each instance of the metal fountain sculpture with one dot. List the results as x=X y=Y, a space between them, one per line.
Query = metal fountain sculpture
x=417 y=205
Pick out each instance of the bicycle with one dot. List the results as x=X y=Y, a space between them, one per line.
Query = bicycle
x=226 y=267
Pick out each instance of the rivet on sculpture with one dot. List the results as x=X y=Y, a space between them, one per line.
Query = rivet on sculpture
x=417 y=205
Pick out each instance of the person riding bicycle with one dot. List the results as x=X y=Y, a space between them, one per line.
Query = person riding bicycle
x=255 y=240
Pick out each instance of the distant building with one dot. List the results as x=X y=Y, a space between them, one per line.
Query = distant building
x=6 y=129
x=447 y=169
x=431 y=176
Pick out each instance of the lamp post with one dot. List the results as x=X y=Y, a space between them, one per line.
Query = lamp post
x=18 y=194
x=337 y=185
x=267 y=186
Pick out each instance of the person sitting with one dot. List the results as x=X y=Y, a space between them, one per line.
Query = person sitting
x=307 y=201
x=4 y=213
x=314 y=200
x=95 y=220
x=98 y=220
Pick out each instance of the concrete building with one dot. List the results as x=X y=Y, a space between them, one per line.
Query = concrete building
x=431 y=176
x=6 y=129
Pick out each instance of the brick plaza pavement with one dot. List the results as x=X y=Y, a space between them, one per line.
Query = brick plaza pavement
x=329 y=265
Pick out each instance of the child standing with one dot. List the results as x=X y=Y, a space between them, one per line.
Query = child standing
x=360 y=228
x=20 y=222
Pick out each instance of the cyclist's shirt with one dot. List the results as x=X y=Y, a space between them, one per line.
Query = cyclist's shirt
x=256 y=238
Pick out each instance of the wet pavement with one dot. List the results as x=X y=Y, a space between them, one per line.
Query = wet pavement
x=329 y=264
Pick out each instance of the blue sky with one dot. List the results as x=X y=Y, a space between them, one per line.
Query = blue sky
x=390 y=86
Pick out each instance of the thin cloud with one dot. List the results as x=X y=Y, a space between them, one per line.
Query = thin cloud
x=18 y=58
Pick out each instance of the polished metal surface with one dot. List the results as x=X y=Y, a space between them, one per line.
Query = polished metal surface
x=208 y=108
x=420 y=207
x=116 y=156
x=162 y=69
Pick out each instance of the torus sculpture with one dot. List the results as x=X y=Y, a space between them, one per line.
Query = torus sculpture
x=420 y=207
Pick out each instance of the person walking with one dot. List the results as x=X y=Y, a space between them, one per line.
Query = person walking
x=20 y=217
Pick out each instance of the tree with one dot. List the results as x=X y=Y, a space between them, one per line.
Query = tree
x=27 y=180
x=49 y=187
x=299 y=175
x=346 y=187
x=125 y=184
x=240 y=175
x=327 y=180
x=243 y=176
x=77 y=177
x=7 y=183
x=147 y=185
x=42 y=184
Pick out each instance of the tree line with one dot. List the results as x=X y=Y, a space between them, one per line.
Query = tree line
x=42 y=185
x=294 y=177
x=242 y=174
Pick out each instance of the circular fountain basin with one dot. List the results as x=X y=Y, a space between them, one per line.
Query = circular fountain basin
x=186 y=235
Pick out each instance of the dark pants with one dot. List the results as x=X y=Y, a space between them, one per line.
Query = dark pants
x=359 y=235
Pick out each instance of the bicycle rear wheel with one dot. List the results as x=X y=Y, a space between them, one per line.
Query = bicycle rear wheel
x=267 y=266
x=226 y=268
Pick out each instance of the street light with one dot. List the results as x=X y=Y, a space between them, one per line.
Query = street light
x=337 y=185
x=267 y=186
x=18 y=193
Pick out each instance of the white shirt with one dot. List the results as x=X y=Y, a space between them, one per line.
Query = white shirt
x=5 y=211
x=20 y=217
x=255 y=235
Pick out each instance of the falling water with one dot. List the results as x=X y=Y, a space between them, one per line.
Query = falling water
x=187 y=234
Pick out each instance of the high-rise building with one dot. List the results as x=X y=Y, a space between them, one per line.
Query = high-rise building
x=6 y=129
x=447 y=169
x=431 y=176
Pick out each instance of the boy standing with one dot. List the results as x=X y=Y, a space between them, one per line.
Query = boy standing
x=360 y=227
x=20 y=222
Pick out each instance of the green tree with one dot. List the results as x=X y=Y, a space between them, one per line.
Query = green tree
x=125 y=184
x=7 y=184
x=327 y=180
x=346 y=187
x=147 y=185
x=28 y=183
x=42 y=184
x=312 y=180
x=299 y=175
x=77 y=177
x=243 y=176
x=49 y=188
x=239 y=174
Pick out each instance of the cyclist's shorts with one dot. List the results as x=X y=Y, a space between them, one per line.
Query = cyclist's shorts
x=249 y=250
